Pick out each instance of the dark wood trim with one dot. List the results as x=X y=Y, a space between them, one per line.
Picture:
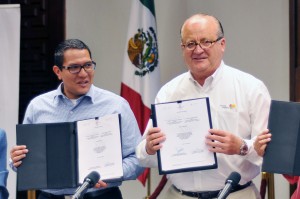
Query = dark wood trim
x=292 y=33
x=294 y=24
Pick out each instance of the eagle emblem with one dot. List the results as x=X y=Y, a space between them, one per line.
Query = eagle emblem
x=143 y=52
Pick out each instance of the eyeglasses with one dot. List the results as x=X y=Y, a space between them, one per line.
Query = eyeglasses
x=203 y=44
x=76 y=68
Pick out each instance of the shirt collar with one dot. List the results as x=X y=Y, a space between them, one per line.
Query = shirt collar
x=60 y=95
x=218 y=74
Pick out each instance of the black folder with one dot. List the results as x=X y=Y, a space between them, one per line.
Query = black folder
x=51 y=160
x=283 y=152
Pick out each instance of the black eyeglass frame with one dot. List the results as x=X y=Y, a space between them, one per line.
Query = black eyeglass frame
x=77 y=67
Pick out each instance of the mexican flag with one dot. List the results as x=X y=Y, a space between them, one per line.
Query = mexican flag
x=141 y=76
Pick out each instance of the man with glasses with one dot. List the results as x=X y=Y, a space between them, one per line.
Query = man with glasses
x=76 y=98
x=239 y=105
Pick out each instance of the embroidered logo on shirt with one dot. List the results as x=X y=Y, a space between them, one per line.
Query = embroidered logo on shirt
x=230 y=106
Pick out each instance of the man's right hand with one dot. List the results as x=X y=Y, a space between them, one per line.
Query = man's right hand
x=154 y=139
x=17 y=153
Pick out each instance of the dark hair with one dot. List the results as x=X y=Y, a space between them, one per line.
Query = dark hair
x=65 y=45
x=221 y=30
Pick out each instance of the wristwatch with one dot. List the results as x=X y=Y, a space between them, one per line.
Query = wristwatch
x=244 y=148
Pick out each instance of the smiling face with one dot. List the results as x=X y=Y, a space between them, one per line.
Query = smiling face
x=202 y=63
x=75 y=85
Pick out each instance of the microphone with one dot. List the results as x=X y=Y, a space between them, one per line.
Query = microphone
x=232 y=180
x=89 y=181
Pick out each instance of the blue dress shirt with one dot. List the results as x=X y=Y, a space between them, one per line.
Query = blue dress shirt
x=3 y=163
x=54 y=107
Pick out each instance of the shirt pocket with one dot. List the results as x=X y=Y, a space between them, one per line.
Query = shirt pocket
x=227 y=120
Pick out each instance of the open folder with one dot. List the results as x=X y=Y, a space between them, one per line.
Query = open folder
x=61 y=155
x=185 y=124
x=283 y=152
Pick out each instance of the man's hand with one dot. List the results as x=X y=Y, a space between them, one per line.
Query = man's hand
x=153 y=140
x=101 y=184
x=261 y=142
x=224 y=142
x=17 y=153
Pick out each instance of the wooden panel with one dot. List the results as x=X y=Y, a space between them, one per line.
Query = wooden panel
x=294 y=20
x=294 y=51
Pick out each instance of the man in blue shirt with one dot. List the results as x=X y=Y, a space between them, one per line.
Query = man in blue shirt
x=3 y=163
x=75 y=99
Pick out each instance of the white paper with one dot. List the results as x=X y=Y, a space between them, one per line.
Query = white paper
x=185 y=124
x=99 y=147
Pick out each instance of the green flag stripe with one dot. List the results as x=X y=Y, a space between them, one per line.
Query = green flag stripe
x=150 y=5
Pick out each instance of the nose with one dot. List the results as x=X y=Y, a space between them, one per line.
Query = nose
x=198 y=48
x=82 y=72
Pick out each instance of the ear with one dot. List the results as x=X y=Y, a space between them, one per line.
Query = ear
x=182 y=46
x=223 y=44
x=57 y=71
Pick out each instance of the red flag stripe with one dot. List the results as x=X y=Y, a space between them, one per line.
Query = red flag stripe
x=143 y=177
x=141 y=112
x=142 y=115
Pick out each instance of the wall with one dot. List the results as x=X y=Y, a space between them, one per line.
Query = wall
x=257 y=34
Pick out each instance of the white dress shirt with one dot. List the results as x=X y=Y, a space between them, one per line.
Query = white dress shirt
x=239 y=104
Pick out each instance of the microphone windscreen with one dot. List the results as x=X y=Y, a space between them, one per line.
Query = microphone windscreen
x=234 y=178
x=93 y=177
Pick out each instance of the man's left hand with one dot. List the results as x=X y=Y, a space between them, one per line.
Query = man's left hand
x=223 y=142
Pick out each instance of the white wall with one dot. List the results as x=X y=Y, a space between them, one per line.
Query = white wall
x=257 y=34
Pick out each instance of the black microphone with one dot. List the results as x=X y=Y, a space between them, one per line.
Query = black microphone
x=88 y=182
x=232 y=180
